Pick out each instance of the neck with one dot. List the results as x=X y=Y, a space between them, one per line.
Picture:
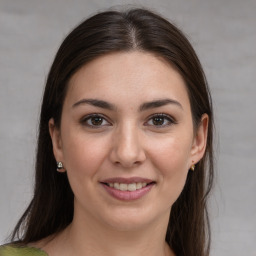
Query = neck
x=90 y=237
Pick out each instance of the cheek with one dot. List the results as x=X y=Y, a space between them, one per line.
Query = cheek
x=83 y=158
x=83 y=155
x=171 y=160
x=172 y=154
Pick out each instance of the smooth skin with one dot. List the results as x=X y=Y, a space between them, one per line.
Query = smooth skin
x=125 y=115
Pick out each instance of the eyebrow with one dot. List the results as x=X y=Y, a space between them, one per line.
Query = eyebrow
x=159 y=103
x=145 y=106
x=96 y=103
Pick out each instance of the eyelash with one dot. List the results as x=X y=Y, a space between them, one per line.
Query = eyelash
x=88 y=118
x=169 y=119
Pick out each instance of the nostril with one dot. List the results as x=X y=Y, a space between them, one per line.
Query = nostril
x=127 y=164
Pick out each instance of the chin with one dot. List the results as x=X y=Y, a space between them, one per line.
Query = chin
x=132 y=219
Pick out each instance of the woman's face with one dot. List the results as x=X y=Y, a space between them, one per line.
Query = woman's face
x=126 y=139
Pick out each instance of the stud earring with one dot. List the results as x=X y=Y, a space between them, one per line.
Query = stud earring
x=192 y=168
x=59 y=166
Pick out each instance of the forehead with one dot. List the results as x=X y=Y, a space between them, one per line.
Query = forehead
x=127 y=75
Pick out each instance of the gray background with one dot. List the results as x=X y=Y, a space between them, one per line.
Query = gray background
x=223 y=33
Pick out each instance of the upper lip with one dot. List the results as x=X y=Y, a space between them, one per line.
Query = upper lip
x=127 y=180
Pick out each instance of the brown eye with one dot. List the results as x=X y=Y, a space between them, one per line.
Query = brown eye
x=160 y=120
x=95 y=121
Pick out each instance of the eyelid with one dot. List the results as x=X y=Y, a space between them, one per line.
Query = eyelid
x=84 y=119
x=170 y=118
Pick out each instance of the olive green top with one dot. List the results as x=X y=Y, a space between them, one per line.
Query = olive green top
x=11 y=250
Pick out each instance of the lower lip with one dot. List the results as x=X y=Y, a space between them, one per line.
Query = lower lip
x=128 y=195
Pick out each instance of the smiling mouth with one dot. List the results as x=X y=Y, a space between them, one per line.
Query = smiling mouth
x=128 y=187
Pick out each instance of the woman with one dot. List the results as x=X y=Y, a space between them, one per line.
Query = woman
x=127 y=116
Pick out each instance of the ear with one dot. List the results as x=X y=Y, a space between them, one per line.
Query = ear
x=56 y=141
x=200 y=140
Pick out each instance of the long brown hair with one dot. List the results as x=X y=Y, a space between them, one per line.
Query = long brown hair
x=51 y=208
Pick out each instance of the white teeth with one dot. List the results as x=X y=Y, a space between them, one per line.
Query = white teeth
x=123 y=187
x=116 y=185
x=131 y=187
x=127 y=187
x=138 y=185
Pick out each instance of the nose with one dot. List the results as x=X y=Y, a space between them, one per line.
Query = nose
x=127 y=150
